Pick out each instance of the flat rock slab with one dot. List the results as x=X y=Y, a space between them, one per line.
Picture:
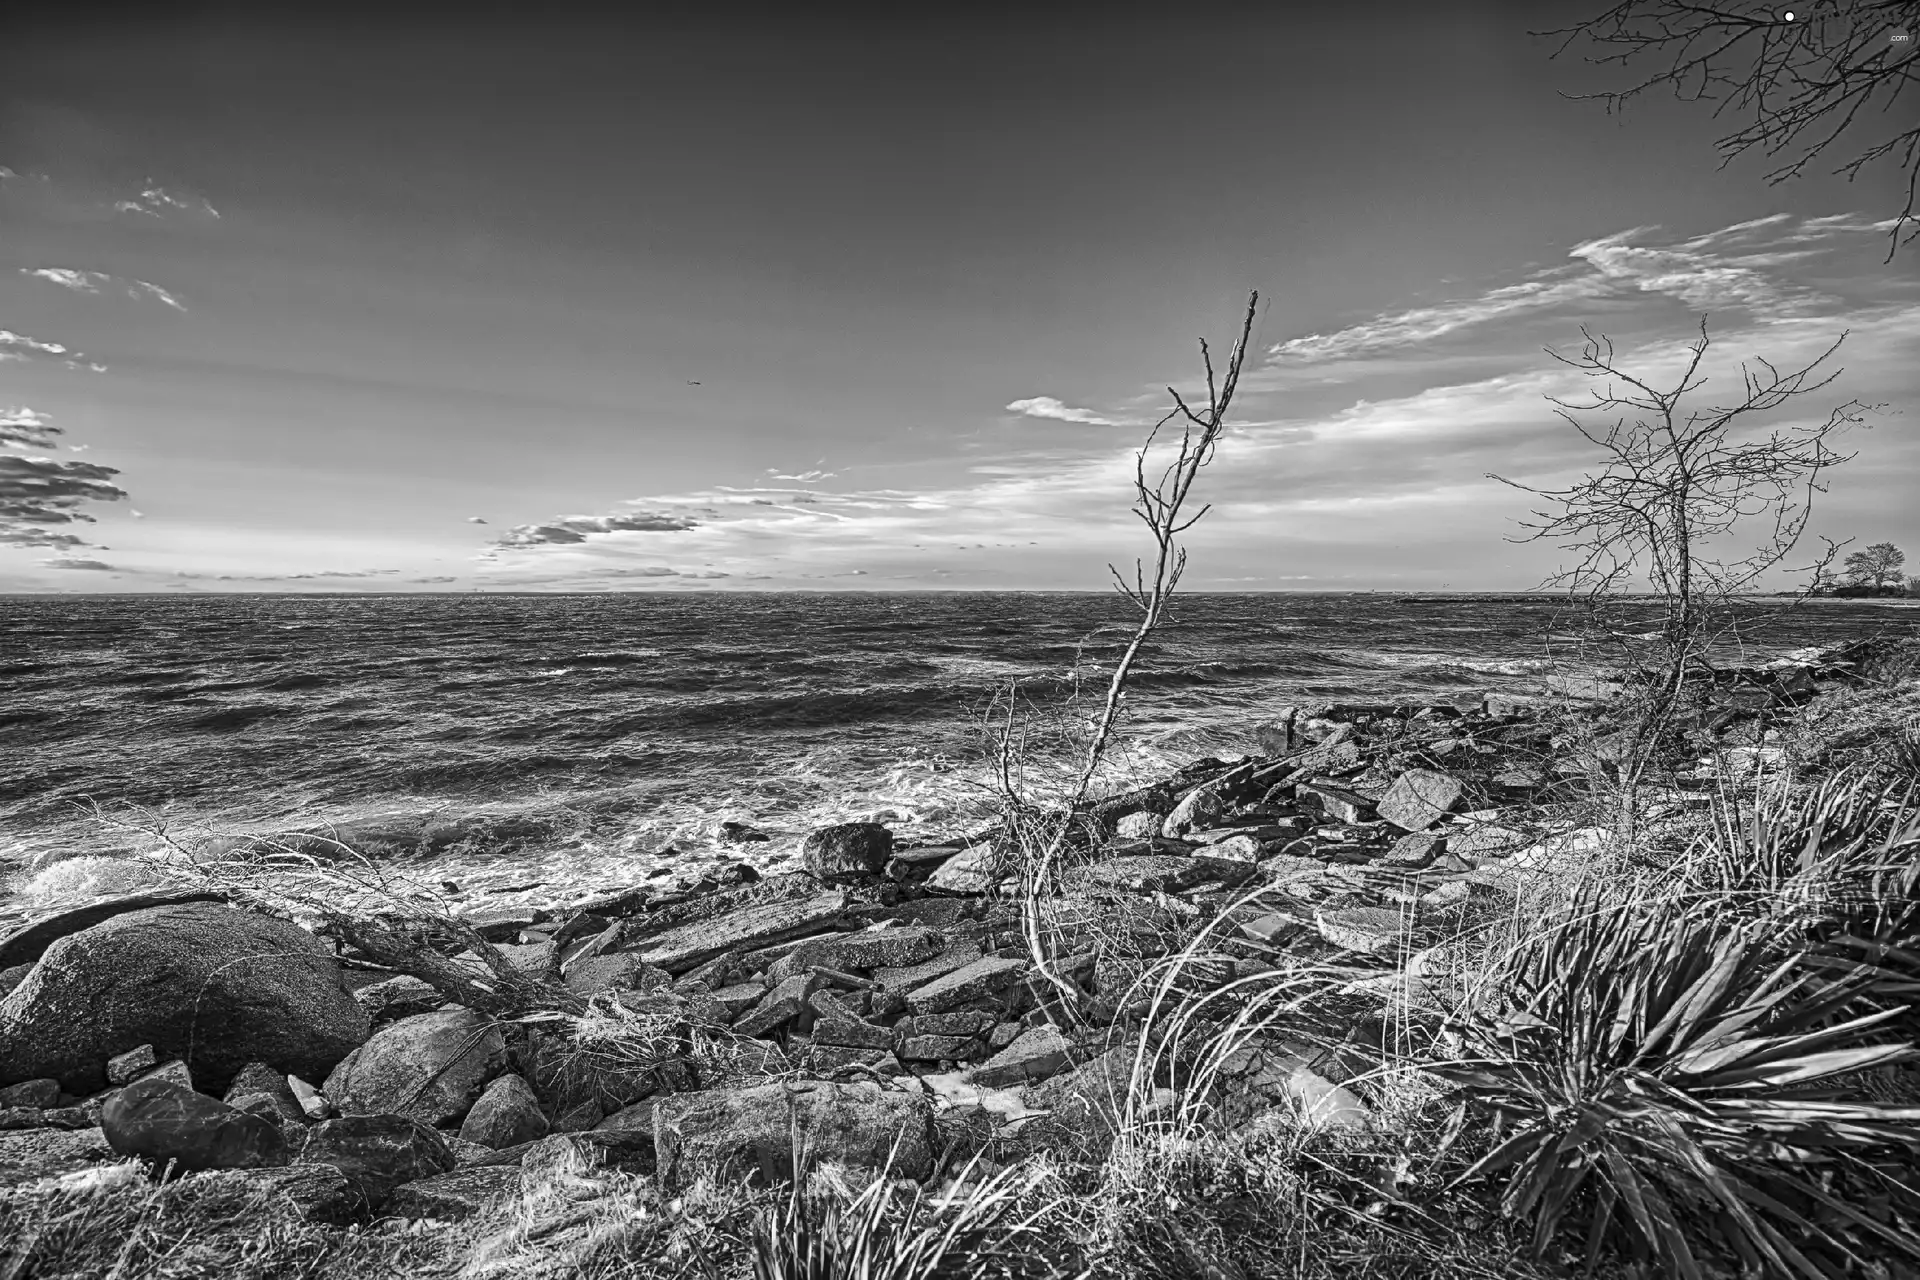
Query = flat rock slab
x=983 y=977
x=1369 y=929
x=907 y=977
x=868 y=949
x=754 y=1129
x=1419 y=798
x=1163 y=872
x=971 y=871
x=1033 y=1055
x=450 y=1197
x=689 y=945
x=1485 y=841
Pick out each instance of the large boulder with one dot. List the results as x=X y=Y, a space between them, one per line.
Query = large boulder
x=752 y=1130
x=210 y=985
x=168 y=1124
x=430 y=1066
x=848 y=852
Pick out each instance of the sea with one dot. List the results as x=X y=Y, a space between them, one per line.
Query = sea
x=618 y=732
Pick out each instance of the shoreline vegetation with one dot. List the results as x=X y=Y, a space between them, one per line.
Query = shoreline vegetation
x=1616 y=981
x=1304 y=985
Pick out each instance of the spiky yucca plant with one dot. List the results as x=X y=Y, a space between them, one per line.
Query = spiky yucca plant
x=1838 y=851
x=1669 y=1072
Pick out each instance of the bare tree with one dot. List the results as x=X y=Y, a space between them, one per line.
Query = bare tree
x=1876 y=566
x=1795 y=84
x=1675 y=485
x=1162 y=504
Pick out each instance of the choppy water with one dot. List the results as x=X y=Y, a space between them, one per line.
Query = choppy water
x=657 y=717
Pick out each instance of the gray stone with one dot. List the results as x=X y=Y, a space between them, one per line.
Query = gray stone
x=430 y=1066
x=12 y=976
x=257 y=1079
x=983 y=977
x=398 y=997
x=1414 y=850
x=506 y=1115
x=173 y=1072
x=960 y=1022
x=1419 y=798
x=1140 y=825
x=1236 y=848
x=936 y=1048
x=1162 y=872
x=1370 y=929
x=124 y=1068
x=855 y=1125
x=1201 y=808
x=1337 y=803
x=739 y=997
x=214 y=986
x=907 y=977
x=1035 y=1054
x=868 y=949
x=27 y=1156
x=848 y=852
x=1484 y=840
x=450 y=1197
x=780 y=1005
x=165 y=1123
x=851 y=1033
x=31 y=1093
x=974 y=870
x=502 y=924
x=621 y=971
x=685 y=947
x=377 y=1152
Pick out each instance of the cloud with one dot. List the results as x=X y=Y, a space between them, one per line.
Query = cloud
x=435 y=579
x=339 y=573
x=42 y=491
x=802 y=477
x=571 y=529
x=155 y=291
x=476 y=520
x=1733 y=267
x=1048 y=407
x=23 y=537
x=24 y=428
x=93 y=281
x=156 y=201
x=641 y=571
x=70 y=562
x=18 y=346
x=69 y=278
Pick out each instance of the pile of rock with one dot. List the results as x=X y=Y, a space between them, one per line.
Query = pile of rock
x=866 y=1003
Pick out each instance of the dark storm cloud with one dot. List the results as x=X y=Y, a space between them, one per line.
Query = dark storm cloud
x=42 y=491
x=580 y=528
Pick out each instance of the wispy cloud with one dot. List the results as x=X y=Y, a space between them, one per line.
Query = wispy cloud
x=1048 y=407
x=18 y=346
x=156 y=201
x=476 y=520
x=803 y=477
x=71 y=562
x=1731 y=268
x=94 y=281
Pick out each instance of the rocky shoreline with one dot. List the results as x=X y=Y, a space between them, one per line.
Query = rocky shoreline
x=883 y=1006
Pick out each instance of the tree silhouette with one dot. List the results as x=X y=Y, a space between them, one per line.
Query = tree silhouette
x=1797 y=84
x=1876 y=566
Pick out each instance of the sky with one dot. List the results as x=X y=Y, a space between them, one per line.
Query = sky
x=740 y=301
